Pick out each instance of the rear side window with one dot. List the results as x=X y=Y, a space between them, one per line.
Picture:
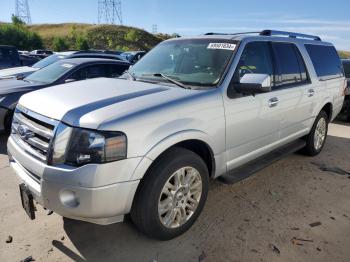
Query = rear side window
x=325 y=60
x=290 y=67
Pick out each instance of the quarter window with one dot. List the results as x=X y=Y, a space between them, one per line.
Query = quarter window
x=325 y=60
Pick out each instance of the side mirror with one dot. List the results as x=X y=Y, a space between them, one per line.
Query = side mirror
x=254 y=83
x=69 y=80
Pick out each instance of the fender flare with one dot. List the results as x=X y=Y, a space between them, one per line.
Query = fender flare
x=165 y=144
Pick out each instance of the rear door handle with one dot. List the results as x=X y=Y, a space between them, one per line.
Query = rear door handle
x=310 y=92
x=273 y=102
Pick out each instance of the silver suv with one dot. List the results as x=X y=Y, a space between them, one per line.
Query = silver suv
x=213 y=106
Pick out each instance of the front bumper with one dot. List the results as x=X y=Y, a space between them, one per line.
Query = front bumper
x=90 y=193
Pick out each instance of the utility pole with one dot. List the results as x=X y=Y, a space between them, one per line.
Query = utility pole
x=22 y=11
x=154 y=29
x=109 y=11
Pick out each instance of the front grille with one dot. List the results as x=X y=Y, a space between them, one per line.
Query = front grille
x=33 y=132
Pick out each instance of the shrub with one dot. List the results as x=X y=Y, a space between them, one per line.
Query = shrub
x=18 y=35
x=59 y=44
x=81 y=43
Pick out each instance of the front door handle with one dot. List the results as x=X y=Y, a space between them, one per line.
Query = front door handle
x=310 y=92
x=273 y=102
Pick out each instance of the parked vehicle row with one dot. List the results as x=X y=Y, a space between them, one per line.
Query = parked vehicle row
x=60 y=72
x=21 y=72
x=192 y=109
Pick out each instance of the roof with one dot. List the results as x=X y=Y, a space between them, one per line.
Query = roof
x=263 y=35
x=79 y=61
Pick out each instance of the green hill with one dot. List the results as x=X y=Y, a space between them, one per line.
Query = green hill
x=112 y=37
x=344 y=54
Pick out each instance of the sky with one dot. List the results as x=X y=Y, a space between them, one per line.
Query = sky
x=328 y=19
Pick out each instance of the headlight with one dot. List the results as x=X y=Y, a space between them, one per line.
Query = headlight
x=77 y=146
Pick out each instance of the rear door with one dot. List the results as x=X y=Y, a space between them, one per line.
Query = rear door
x=293 y=91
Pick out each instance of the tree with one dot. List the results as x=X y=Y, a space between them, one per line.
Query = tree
x=59 y=44
x=17 y=21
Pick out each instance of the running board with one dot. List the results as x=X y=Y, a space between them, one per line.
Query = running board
x=255 y=165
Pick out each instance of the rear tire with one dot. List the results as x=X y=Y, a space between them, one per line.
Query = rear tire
x=172 y=195
x=317 y=137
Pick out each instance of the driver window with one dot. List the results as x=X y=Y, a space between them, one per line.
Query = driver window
x=255 y=59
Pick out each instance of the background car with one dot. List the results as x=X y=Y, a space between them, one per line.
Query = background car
x=28 y=60
x=41 y=53
x=133 y=56
x=9 y=57
x=60 y=72
x=21 y=72
x=346 y=106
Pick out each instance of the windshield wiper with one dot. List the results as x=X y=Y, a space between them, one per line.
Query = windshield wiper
x=171 y=80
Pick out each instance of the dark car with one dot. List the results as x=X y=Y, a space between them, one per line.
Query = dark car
x=21 y=72
x=28 y=60
x=9 y=57
x=346 y=106
x=60 y=72
x=133 y=56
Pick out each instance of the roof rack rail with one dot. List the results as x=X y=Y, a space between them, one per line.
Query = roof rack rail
x=289 y=34
x=242 y=33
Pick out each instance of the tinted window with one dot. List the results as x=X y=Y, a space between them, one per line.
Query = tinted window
x=115 y=70
x=325 y=60
x=255 y=59
x=91 y=71
x=289 y=67
x=346 y=65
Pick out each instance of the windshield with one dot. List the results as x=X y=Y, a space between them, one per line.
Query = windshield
x=346 y=66
x=196 y=62
x=50 y=73
x=48 y=60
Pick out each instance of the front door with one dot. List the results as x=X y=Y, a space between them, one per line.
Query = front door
x=252 y=121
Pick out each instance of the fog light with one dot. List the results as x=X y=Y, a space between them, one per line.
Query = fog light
x=69 y=199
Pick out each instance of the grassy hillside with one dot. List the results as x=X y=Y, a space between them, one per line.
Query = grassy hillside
x=113 y=37
x=344 y=54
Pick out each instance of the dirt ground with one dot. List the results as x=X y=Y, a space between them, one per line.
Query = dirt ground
x=254 y=220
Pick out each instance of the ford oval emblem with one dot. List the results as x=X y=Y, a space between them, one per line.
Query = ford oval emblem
x=24 y=132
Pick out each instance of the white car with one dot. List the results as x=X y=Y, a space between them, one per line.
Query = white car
x=213 y=106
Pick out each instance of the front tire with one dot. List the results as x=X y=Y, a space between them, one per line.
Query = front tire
x=172 y=195
x=316 y=139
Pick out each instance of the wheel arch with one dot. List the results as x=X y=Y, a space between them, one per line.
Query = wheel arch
x=193 y=140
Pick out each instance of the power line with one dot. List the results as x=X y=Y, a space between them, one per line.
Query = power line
x=109 y=11
x=22 y=11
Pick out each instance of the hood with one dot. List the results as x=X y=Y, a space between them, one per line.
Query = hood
x=8 y=86
x=15 y=71
x=90 y=103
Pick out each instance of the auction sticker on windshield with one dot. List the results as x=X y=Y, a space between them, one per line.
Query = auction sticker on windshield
x=226 y=46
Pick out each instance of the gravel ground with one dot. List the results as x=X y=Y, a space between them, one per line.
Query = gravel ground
x=266 y=217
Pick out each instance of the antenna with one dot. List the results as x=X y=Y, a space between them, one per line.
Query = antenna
x=109 y=11
x=22 y=11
